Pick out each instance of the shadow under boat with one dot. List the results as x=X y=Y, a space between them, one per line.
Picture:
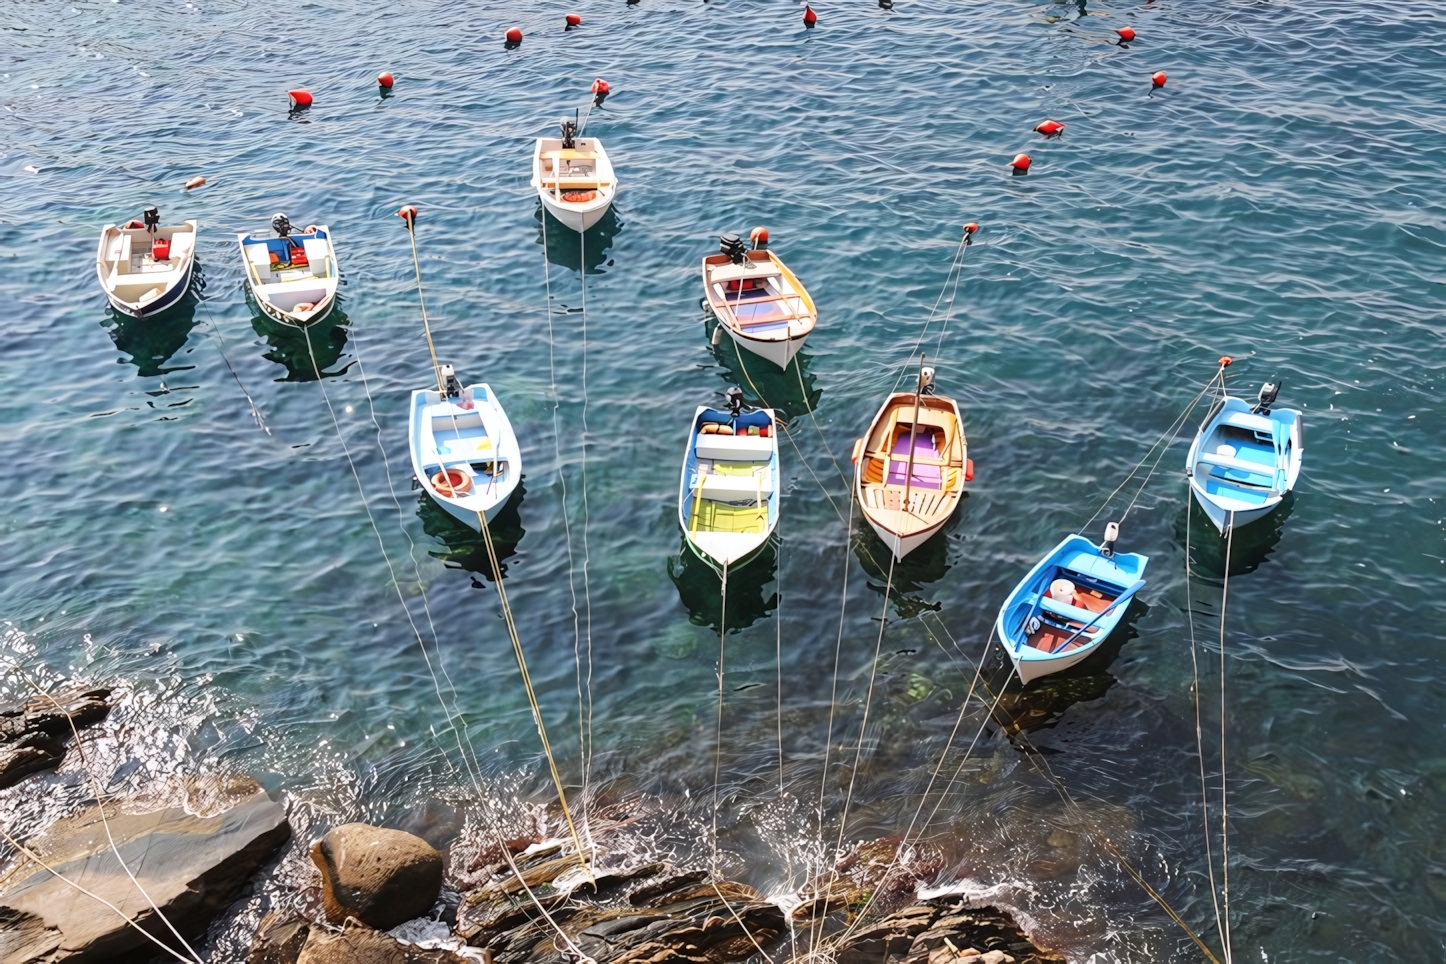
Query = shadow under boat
x=465 y=547
x=151 y=341
x=912 y=574
x=791 y=392
x=1250 y=545
x=701 y=588
x=290 y=350
x=566 y=248
x=1042 y=703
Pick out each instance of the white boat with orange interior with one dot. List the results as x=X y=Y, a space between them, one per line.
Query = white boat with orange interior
x=573 y=177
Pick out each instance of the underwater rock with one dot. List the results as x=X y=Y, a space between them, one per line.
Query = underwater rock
x=943 y=931
x=279 y=940
x=359 y=944
x=380 y=877
x=191 y=867
x=33 y=735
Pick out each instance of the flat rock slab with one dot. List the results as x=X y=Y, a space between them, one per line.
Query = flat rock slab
x=190 y=866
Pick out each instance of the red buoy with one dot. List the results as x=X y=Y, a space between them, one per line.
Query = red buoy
x=574 y=20
x=1126 y=33
x=385 y=80
x=1225 y=360
x=1020 y=163
x=1158 y=79
x=970 y=228
x=299 y=98
x=759 y=237
x=968 y=470
x=1050 y=128
x=514 y=35
x=408 y=214
x=809 y=17
x=600 y=91
x=196 y=181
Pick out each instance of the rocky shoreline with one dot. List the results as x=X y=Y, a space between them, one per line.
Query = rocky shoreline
x=383 y=895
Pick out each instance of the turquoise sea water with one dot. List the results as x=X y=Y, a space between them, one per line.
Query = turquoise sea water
x=1279 y=201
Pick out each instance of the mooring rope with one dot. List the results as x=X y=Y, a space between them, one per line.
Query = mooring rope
x=718 y=723
x=586 y=517
x=221 y=345
x=1224 y=800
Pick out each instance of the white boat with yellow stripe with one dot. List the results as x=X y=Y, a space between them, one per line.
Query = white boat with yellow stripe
x=757 y=300
x=728 y=496
x=573 y=177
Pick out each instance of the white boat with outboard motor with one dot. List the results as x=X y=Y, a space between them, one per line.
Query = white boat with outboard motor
x=1245 y=459
x=292 y=276
x=145 y=268
x=1068 y=604
x=728 y=495
x=574 y=177
x=757 y=300
x=464 y=452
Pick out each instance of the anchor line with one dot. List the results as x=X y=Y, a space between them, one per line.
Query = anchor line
x=718 y=723
x=583 y=712
x=496 y=571
x=956 y=265
x=586 y=515
x=95 y=789
x=1041 y=766
x=1199 y=735
x=1224 y=800
x=221 y=346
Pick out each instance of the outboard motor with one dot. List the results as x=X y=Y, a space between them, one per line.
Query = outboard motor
x=1266 y=398
x=281 y=224
x=1112 y=535
x=569 y=134
x=152 y=218
x=732 y=245
x=735 y=400
x=926 y=381
x=449 y=379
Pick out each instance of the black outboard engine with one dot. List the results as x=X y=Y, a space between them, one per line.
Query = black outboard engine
x=449 y=379
x=152 y=218
x=1112 y=535
x=735 y=400
x=1266 y=398
x=281 y=224
x=569 y=134
x=732 y=245
x=926 y=381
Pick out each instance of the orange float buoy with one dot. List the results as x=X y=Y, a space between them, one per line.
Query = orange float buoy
x=970 y=228
x=195 y=182
x=573 y=20
x=600 y=91
x=1126 y=33
x=514 y=35
x=299 y=98
x=968 y=470
x=809 y=17
x=385 y=80
x=1225 y=361
x=452 y=483
x=1050 y=128
x=1159 y=78
x=759 y=237
x=408 y=213
x=1020 y=163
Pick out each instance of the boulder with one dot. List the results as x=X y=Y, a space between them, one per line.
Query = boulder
x=279 y=939
x=191 y=867
x=358 y=944
x=379 y=877
x=33 y=735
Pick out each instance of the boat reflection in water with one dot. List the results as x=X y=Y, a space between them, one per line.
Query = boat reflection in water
x=912 y=574
x=465 y=547
x=1250 y=545
x=566 y=248
x=289 y=345
x=701 y=589
x=791 y=392
x=151 y=341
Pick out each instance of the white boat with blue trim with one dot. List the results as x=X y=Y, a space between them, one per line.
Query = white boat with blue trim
x=728 y=496
x=293 y=277
x=757 y=300
x=145 y=268
x=464 y=452
x=1068 y=604
x=1245 y=459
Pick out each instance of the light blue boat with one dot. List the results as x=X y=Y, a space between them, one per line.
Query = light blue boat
x=1245 y=459
x=1068 y=604
x=464 y=452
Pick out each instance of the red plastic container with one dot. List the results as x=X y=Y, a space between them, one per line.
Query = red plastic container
x=161 y=249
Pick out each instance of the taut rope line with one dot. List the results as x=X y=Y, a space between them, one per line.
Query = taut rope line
x=1224 y=801
x=718 y=722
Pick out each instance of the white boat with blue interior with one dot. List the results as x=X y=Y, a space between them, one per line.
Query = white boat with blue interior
x=464 y=452
x=1068 y=604
x=1245 y=459
x=293 y=277
x=728 y=496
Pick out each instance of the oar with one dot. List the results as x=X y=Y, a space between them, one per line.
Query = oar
x=1123 y=597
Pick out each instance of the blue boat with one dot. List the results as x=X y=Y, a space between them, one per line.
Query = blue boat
x=1245 y=459
x=1068 y=604
x=728 y=495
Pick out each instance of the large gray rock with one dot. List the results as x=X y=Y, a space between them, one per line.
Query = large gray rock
x=191 y=867
x=379 y=877
x=33 y=735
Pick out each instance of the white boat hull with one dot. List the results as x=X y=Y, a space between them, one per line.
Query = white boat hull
x=136 y=286
x=1030 y=670
x=466 y=440
x=576 y=216
x=1222 y=517
x=1242 y=464
x=901 y=546
x=556 y=171
x=279 y=296
x=779 y=352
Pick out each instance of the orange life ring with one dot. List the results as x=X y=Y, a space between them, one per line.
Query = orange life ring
x=452 y=483
x=578 y=197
